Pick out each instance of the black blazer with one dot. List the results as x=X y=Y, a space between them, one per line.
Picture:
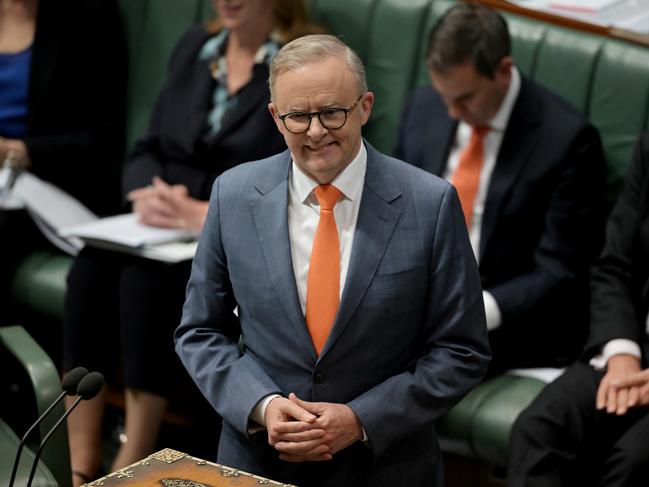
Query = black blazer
x=76 y=99
x=543 y=220
x=173 y=147
x=620 y=283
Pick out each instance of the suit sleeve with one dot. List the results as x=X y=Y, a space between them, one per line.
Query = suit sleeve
x=206 y=340
x=456 y=350
x=571 y=237
x=615 y=294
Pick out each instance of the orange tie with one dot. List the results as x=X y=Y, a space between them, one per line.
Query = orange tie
x=467 y=175
x=323 y=281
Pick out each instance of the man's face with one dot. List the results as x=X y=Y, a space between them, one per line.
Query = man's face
x=319 y=152
x=470 y=96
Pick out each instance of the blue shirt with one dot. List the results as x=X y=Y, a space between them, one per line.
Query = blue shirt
x=14 y=84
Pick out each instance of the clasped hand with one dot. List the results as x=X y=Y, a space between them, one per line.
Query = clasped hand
x=624 y=386
x=310 y=431
x=168 y=206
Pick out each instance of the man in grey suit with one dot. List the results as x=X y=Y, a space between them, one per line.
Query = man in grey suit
x=341 y=389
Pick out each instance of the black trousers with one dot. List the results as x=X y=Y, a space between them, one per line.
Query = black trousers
x=18 y=237
x=561 y=439
x=121 y=313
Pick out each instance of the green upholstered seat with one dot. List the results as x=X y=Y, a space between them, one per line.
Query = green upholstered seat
x=456 y=427
x=492 y=423
x=39 y=283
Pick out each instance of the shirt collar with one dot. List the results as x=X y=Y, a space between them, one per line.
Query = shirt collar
x=501 y=118
x=214 y=49
x=350 y=181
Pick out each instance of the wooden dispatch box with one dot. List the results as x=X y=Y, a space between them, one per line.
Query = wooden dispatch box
x=171 y=468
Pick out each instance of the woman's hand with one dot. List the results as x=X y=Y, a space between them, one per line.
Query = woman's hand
x=168 y=206
x=14 y=152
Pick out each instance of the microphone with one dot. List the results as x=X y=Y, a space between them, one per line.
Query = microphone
x=88 y=388
x=69 y=385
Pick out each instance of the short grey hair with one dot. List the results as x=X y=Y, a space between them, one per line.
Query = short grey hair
x=311 y=49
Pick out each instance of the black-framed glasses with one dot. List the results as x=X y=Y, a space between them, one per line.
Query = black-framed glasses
x=330 y=118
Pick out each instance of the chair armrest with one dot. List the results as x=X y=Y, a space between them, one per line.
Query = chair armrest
x=46 y=386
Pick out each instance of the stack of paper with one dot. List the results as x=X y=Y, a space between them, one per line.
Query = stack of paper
x=69 y=225
x=125 y=234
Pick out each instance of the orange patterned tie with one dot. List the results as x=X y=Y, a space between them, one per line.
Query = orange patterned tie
x=467 y=175
x=323 y=282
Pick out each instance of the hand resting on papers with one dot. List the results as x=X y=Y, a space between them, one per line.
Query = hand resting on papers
x=14 y=152
x=168 y=206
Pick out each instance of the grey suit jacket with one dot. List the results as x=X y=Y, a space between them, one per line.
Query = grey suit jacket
x=409 y=340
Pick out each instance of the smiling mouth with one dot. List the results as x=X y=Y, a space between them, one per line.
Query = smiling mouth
x=320 y=148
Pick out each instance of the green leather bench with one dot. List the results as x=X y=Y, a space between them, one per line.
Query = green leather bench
x=605 y=78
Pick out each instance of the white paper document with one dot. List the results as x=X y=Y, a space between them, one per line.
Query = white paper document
x=126 y=230
x=69 y=225
x=123 y=233
x=583 y=5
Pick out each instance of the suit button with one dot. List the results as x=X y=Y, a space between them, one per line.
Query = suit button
x=318 y=378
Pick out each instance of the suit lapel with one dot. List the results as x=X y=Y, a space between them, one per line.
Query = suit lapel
x=519 y=142
x=248 y=100
x=377 y=219
x=191 y=125
x=270 y=215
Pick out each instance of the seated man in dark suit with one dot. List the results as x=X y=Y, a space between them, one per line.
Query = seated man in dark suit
x=590 y=426
x=529 y=170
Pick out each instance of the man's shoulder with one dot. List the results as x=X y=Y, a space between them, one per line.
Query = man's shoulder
x=552 y=108
x=425 y=103
x=407 y=175
x=262 y=174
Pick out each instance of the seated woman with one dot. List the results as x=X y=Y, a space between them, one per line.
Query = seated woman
x=62 y=92
x=211 y=115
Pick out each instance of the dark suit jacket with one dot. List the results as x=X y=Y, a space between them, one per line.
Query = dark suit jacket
x=174 y=148
x=620 y=283
x=76 y=99
x=543 y=220
x=409 y=339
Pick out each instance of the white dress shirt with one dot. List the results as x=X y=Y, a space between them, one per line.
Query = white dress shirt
x=303 y=218
x=618 y=346
x=304 y=214
x=492 y=143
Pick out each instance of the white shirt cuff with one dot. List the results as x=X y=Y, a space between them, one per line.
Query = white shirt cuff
x=492 y=311
x=258 y=413
x=619 y=346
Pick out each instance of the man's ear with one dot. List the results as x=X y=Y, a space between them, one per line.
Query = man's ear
x=367 y=103
x=504 y=68
x=272 y=108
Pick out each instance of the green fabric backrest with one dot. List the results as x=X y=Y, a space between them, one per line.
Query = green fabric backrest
x=565 y=64
x=391 y=64
x=153 y=28
x=435 y=11
x=527 y=35
x=619 y=104
x=351 y=21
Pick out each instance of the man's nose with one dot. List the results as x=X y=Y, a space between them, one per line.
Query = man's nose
x=316 y=129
